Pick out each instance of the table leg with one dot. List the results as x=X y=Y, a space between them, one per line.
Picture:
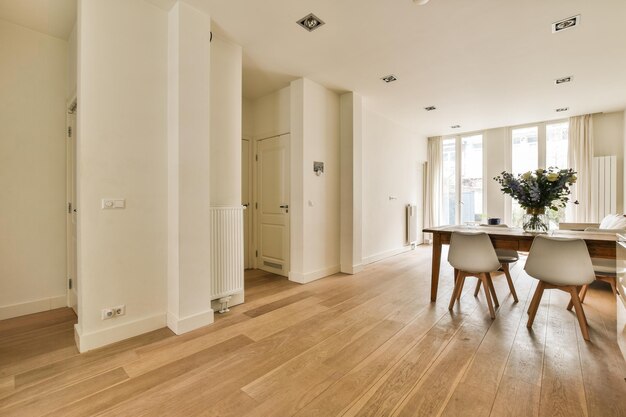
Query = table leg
x=434 y=279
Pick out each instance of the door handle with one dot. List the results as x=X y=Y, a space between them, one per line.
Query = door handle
x=285 y=206
x=246 y=205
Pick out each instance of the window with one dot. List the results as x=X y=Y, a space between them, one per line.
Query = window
x=541 y=146
x=471 y=178
x=448 y=203
x=462 y=180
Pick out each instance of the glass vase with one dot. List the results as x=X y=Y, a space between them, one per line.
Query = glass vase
x=535 y=220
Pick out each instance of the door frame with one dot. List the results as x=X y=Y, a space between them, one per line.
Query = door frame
x=251 y=261
x=255 y=198
x=71 y=111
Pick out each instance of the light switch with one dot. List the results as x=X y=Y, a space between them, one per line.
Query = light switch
x=113 y=203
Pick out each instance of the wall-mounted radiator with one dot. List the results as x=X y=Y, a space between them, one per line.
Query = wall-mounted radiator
x=411 y=224
x=604 y=187
x=226 y=251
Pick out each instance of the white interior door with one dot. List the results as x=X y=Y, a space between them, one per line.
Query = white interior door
x=71 y=213
x=245 y=201
x=273 y=205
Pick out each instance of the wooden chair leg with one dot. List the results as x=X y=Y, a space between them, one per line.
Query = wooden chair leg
x=583 y=293
x=507 y=273
x=612 y=281
x=493 y=290
x=485 y=280
x=457 y=285
x=534 y=304
x=570 y=305
x=458 y=295
x=477 y=287
x=582 y=320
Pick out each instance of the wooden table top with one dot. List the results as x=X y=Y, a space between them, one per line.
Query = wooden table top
x=514 y=232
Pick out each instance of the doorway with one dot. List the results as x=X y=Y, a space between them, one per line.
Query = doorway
x=272 y=207
x=71 y=210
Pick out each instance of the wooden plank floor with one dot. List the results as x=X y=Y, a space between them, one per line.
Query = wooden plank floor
x=369 y=344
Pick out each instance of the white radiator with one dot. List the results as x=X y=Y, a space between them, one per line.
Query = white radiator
x=604 y=187
x=226 y=251
x=411 y=224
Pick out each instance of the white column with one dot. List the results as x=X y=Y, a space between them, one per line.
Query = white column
x=351 y=182
x=189 y=283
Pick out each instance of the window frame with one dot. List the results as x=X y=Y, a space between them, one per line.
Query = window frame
x=541 y=156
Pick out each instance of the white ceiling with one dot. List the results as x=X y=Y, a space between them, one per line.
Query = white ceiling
x=483 y=63
x=53 y=17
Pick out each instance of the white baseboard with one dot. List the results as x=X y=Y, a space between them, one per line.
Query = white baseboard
x=305 y=278
x=106 y=336
x=382 y=255
x=351 y=269
x=189 y=323
x=30 y=307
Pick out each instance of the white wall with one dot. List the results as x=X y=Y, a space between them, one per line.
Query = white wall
x=608 y=132
x=32 y=171
x=392 y=167
x=271 y=114
x=247 y=122
x=225 y=153
x=321 y=193
x=72 y=63
x=122 y=153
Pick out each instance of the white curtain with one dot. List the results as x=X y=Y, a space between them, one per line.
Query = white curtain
x=580 y=159
x=433 y=185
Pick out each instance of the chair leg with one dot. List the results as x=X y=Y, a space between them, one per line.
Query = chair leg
x=485 y=280
x=457 y=285
x=477 y=290
x=493 y=290
x=460 y=292
x=505 y=268
x=580 y=313
x=583 y=293
x=534 y=304
x=612 y=281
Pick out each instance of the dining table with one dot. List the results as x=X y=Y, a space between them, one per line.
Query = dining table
x=600 y=245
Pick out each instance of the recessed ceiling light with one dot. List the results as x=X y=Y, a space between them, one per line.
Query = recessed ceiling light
x=455 y=126
x=420 y=2
x=562 y=109
x=430 y=108
x=310 y=22
x=389 y=78
x=568 y=23
x=563 y=80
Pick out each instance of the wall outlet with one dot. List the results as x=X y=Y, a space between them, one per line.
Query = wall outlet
x=107 y=313
x=120 y=310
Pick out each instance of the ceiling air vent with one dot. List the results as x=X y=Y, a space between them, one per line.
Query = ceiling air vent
x=562 y=109
x=430 y=108
x=563 y=80
x=389 y=78
x=564 y=24
x=310 y=22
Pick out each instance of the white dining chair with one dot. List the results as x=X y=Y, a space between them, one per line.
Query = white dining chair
x=559 y=263
x=472 y=255
x=506 y=258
